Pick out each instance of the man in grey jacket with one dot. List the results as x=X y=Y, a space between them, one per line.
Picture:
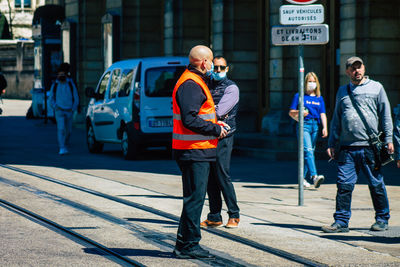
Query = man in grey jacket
x=349 y=133
x=396 y=136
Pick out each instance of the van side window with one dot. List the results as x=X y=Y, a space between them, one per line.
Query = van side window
x=126 y=82
x=160 y=82
x=114 y=83
x=138 y=78
x=103 y=86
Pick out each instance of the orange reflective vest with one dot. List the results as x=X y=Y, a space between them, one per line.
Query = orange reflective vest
x=183 y=138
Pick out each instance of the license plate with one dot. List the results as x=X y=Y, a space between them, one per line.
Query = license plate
x=160 y=122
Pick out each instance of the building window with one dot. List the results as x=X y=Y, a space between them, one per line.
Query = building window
x=22 y=4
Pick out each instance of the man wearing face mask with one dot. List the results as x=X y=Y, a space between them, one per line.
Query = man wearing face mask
x=226 y=97
x=64 y=100
x=194 y=142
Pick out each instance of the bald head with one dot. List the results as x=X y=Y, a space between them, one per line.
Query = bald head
x=200 y=56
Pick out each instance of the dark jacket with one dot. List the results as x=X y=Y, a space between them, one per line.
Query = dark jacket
x=3 y=82
x=190 y=98
x=217 y=89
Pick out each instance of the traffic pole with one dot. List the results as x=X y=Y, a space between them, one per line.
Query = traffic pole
x=301 y=127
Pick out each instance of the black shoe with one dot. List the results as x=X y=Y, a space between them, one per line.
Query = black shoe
x=193 y=253
x=334 y=228
x=379 y=226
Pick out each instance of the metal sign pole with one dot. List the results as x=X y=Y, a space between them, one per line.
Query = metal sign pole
x=300 y=30
x=301 y=127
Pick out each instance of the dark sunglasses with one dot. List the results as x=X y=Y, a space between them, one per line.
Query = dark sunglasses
x=219 y=67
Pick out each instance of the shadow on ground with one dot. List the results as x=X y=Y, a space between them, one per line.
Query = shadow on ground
x=32 y=142
x=132 y=252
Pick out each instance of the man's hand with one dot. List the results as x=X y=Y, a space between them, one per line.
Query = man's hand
x=223 y=133
x=224 y=129
x=331 y=152
x=398 y=163
x=221 y=123
x=390 y=148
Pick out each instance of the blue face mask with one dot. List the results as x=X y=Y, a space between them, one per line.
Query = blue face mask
x=210 y=71
x=218 y=76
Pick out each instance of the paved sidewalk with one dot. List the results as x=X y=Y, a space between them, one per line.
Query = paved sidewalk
x=267 y=190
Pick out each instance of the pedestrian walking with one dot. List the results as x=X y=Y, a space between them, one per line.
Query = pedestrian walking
x=314 y=117
x=194 y=143
x=3 y=86
x=64 y=100
x=396 y=136
x=3 y=83
x=226 y=98
x=350 y=133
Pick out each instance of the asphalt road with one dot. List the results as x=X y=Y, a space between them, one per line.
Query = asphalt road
x=266 y=190
x=35 y=143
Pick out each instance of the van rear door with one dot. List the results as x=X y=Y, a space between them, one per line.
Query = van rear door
x=158 y=82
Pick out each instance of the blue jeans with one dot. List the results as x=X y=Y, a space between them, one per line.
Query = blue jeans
x=351 y=161
x=64 y=127
x=310 y=139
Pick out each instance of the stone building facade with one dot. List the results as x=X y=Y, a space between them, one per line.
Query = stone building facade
x=16 y=59
x=99 y=32
x=16 y=55
x=19 y=14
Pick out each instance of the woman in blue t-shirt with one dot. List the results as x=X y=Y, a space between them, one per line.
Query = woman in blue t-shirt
x=314 y=115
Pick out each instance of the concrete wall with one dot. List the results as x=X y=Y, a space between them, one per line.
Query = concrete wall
x=90 y=51
x=240 y=30
x=16 y=60
x=370 y=29
x=241 y=49
x=142 y=28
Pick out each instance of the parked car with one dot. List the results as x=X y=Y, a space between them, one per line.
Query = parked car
x=132 y=104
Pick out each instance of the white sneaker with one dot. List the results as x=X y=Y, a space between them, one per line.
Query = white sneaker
x=306 y=184
x=63 y=151
x=318 y=180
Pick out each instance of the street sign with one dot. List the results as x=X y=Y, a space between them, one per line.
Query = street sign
x=296 y=15
x=302 y=2
x=315 y=34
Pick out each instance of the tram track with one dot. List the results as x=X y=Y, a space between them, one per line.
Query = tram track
x=145 y=232
x=156 y=238
x=83 y=240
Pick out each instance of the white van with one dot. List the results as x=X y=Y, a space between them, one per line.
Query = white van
x=132 y=104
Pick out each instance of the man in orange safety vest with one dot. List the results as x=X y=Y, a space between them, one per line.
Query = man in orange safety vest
x=194 y=142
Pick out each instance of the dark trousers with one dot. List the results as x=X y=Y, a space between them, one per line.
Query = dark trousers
x=220 y=181
x=350 y=163
x=194 y=182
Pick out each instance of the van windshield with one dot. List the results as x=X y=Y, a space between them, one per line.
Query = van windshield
x=161 y=81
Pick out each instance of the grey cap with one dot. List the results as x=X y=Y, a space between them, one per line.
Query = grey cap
x=351 y=60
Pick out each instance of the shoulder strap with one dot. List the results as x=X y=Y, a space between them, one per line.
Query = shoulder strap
x=55 y=91
x=72 y=90
x=359 y=112
x=70 y=87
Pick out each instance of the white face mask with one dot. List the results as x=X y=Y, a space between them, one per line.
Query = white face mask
x=311 y=86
